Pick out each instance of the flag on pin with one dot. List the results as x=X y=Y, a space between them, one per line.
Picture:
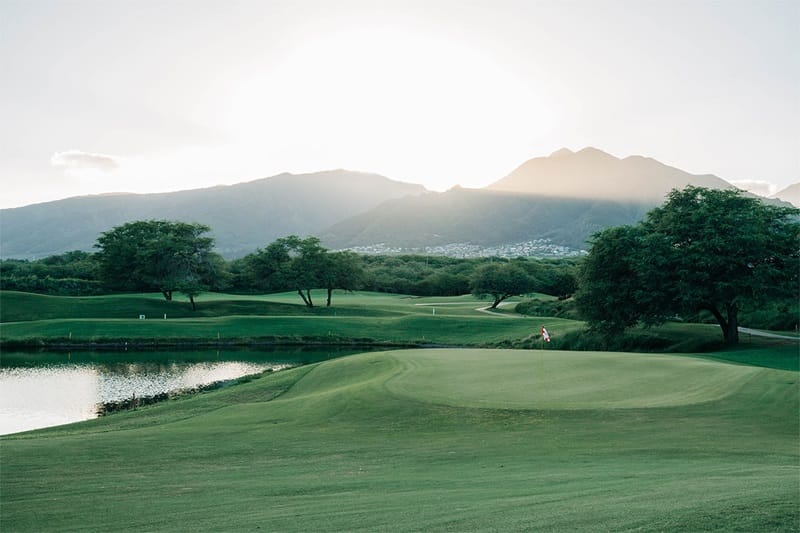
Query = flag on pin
x=545 y=335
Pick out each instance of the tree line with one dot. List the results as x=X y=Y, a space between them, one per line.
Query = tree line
x=703 y=253
x=172 y=256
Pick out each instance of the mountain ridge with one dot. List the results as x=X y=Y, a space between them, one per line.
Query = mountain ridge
x=481 y=216
x=789 y=194
x=562 y=198
x=242 y=216
x=593 y=173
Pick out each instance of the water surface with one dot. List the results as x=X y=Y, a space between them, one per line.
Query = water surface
x=45 y=389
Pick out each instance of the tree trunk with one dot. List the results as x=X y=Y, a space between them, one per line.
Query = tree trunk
x=308 y=298
x=167 y=295
x=191 y=299
x=730 y=327
x=303 y=296
x=732 y=333
x=498 y=298
x=330 y=292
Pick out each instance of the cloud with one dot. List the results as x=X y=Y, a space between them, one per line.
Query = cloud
x=761 y=188
x=75 y=160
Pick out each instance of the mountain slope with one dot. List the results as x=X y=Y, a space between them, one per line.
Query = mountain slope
x=790 y=194
x=565 y=198
x=482 y=217
x=242 y=217
x=592 y=173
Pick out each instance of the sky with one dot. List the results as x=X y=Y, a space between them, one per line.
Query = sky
x=153 y=96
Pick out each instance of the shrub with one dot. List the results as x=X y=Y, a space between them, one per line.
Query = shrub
x=556 y=308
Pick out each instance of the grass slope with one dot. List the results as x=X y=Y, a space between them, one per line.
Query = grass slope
x=432 y=440
x=24 y=306
x=30 y=318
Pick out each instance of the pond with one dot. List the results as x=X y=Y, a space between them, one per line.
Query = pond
x=42 y=389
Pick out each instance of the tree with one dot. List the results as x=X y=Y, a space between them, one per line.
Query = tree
x=703 y=250
x=265 y=269
x=500 y=281
x=69 y=274
x=157 y=255
x=444 y=284
x=306 y=268
x=341 y=270
x=607 y=288
x=290 y=263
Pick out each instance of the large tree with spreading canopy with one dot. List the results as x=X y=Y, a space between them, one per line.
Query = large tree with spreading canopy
x=500 y=281
x=293 y=263
x=158 y=255
x=702 y=250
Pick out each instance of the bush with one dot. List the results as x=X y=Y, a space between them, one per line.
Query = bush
x=52 y=286
x=634 y=340
x=556 y=308
x=777 y=316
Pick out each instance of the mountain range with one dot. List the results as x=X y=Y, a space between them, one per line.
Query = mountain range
x=242 y=217
x=562 y=199
x=790 y=194
x=594 y=174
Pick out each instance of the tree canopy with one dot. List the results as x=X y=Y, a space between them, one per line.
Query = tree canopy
x=702 y=250
x=292 y=263
x=500 y=281
x=157 y=255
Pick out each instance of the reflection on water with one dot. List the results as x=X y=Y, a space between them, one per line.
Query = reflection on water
x=47 y=389
x=40 y=397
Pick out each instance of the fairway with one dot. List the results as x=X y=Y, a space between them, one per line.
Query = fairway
x=432 y=440
x=367 y=318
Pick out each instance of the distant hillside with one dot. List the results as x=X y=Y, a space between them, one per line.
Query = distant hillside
x=242 y=217
x=564 y=197
x=592 y=173
x=483 y=217
x=790 y=194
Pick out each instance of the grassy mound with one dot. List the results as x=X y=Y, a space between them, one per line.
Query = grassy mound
x=433 y=440
x=564 y=380
x=23 y=306
x=30 y=319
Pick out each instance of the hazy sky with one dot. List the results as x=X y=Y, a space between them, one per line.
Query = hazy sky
x=146 y=96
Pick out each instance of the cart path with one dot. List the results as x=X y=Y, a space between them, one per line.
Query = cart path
x=759 y=333
x=486 y=309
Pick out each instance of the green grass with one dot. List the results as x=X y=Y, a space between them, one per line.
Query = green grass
x=21 y=306
x=362 y=317
x=31 y=320
x=432 y=440
x=403 y=329
x=370 y=317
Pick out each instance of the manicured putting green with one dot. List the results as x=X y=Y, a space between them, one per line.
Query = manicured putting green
x=561 y=380
x=392 y=441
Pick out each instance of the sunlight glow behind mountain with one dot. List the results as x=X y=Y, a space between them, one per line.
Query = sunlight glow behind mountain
x=162 y=96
